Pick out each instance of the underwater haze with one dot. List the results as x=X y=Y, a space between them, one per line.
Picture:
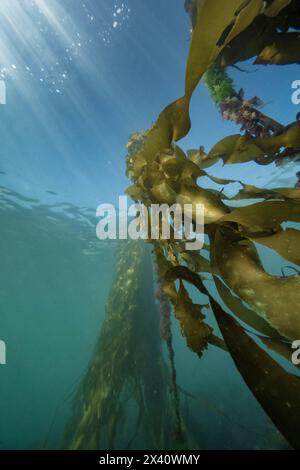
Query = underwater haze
x=81 y=77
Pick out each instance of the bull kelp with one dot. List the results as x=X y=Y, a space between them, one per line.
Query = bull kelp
x=255 y=313
x=161 y=172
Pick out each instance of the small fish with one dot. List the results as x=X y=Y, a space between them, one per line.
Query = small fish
x=51 y=192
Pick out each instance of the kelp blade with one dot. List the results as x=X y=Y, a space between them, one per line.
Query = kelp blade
x=277 y=390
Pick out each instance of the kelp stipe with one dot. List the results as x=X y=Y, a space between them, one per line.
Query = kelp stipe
x=127 y=380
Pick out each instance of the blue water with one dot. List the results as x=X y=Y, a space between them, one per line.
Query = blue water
x=80 y=78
